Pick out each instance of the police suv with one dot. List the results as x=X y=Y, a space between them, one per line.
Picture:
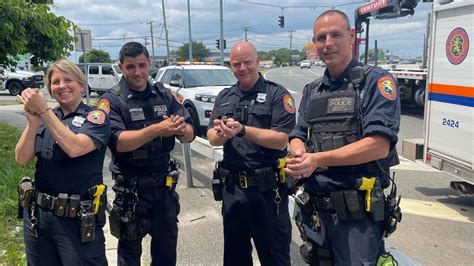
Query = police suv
x=196 y=87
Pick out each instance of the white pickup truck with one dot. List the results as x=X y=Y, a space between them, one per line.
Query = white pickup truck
x=15 y=80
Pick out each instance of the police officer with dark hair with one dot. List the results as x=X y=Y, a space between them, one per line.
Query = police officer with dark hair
x=252 y=120
x=64 y=207
x=344 y=143
x=145 y=121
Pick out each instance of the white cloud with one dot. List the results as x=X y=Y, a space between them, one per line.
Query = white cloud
x=128 y=18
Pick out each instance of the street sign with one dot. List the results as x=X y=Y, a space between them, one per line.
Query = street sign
x=372 y=6
x=83 y=38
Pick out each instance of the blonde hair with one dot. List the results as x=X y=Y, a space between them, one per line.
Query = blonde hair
x=67 y=67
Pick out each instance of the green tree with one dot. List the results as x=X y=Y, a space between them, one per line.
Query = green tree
x=199 y=51
x=371 y=55
x=96 y=56
x=30 y=26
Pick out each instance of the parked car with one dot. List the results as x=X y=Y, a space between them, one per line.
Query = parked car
x=196 y=86
x=15 y=80
x=320 y=63
x=102 y=76
x=305 y=64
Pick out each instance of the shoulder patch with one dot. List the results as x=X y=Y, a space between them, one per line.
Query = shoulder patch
x=96 y=117
x=104 y=105
x=289 y=104
x=387 y=87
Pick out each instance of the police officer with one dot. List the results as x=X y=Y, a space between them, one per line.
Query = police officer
x=252 y=120
x=145 y=120
x=61 y=225
x=344 y=143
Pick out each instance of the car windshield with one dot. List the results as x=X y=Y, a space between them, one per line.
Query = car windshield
x=208 y=77
x=117 y=68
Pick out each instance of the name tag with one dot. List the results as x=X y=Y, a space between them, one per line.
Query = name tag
x=137 y=114
x=341 y=105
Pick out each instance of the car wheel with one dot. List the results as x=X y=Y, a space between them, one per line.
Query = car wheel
x=195 y=119
x=15 y=88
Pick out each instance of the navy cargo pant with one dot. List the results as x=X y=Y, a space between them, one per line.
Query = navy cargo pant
x=351 y=242
x=58 y=241
x=249 y=213
x=161 y=205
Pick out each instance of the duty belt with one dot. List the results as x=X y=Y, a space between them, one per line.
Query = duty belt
x=244 y=179
x=322 y=203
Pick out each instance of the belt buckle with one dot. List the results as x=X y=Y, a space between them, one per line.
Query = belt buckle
x=243 y=180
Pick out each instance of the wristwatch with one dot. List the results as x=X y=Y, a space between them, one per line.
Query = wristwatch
x=241 y=132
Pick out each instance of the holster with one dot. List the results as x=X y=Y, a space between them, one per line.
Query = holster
x=348 y=205
x=26 y=192
x=266 y=179
x=218 y=177
x=87 y=221
x=124 y=224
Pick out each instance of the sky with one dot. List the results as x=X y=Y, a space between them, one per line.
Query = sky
x=114 y=22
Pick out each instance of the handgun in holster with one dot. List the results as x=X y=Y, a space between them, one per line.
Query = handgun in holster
x=26 y=192
x=173 y=174
x=218 y=176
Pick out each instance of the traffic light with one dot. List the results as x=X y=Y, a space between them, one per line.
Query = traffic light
x=225 y=44
x=281 y=21
x=218 y=43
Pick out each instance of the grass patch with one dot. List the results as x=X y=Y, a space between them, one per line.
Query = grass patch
x=12 y=247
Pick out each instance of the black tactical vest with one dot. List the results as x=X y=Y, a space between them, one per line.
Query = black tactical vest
x=154 y=155
x=334 y=119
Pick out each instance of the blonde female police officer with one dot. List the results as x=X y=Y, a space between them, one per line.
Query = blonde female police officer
x=69 y=143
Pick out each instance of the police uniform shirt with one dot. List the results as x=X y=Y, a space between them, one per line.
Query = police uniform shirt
x=269 y=106
x=56 y=172
x=380 y=104
x=111 y=104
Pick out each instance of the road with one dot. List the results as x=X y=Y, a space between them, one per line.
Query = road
x=437 y=226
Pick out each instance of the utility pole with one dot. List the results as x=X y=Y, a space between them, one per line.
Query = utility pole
x=166 y=33
x=291 y=40
x=246 y=29
x=222 y=33
x=152 y=43
x=146 y=42
x=190 y=39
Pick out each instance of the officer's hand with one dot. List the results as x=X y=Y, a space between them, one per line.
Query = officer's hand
x=231 y=128
x=168 y=127
x=33 y=100
x=180 y=124
x=302 y=165
x=218 y=124
x=33 y=119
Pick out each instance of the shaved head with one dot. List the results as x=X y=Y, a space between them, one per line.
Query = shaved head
x=243 y=45
x=244 y=64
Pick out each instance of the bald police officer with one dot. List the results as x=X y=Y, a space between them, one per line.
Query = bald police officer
x=252 y=120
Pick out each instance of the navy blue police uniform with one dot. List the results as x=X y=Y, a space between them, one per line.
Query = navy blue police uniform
x=334 y=113
x=143 y=172
x=51 y=237
x=251 y=190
